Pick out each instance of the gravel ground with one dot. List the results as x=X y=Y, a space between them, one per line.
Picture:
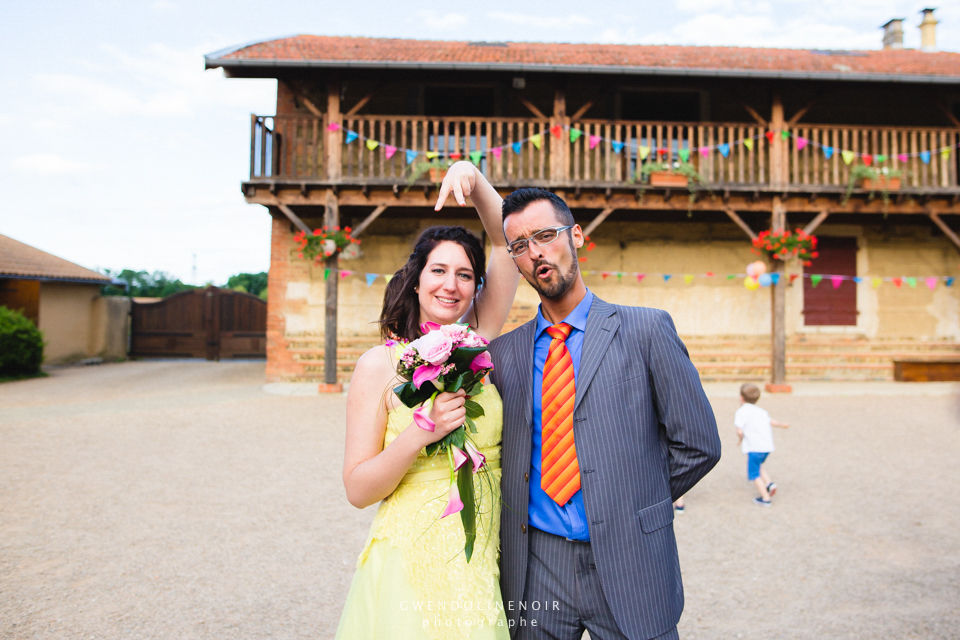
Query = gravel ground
x=180 y=500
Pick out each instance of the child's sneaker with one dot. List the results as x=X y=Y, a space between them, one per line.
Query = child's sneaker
x=678 y=510
x=772 y=489
x=760 y=502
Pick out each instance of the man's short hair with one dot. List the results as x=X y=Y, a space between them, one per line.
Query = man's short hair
x=522 y=198
x=750 y=393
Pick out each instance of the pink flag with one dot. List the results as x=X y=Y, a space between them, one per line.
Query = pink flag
x=705 y=151
x=497 y=152
x=801 y=142
x=344 y=273
x=902 y=157
x=333 y=126
x=594 y=141
x=837 y=281
x=641 y=276
x=389 y=149
x=931 y=283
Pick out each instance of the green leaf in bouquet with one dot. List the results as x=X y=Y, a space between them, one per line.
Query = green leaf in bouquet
x=454 y=386
x=411 y=396
x=464 y=356
x=432 y=448
x=474 y=410
x=468 y=515
x=457 y=438
x=471 y=425
x=475 y=389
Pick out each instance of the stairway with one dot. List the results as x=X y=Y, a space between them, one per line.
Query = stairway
x=719 y=358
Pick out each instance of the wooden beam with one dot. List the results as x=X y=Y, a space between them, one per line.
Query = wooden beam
x=312 y=108
x=947 y=231
x=294 y=218
x=810 y=228
x=370 y=218
x=333 y=144
x=360 y=105
x=778 y=306
x=799 y=114
x=952 y=118
x=753 y=112
x=740 y=223
x=582 y=110
x=777 y=147
x=596 y=221
x=533 y=109
x=331 y=218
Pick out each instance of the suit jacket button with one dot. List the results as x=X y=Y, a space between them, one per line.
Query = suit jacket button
x=523 y=528
x=526 y=477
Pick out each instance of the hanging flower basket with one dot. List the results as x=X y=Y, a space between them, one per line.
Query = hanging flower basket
x=325 y=243
x=437 y=175
x=668 y=179
x=783 y=245
x=882 y=183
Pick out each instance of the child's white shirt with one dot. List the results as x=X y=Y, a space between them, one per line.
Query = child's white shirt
x=755 y=424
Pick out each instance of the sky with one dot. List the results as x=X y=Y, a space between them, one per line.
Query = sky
x=119 y=151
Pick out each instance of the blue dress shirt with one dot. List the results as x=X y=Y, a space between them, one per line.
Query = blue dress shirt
x=570 y=520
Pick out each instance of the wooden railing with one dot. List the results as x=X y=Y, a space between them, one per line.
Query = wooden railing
x=300 y=148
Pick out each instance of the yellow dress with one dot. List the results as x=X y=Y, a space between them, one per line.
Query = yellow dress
x=413 y=581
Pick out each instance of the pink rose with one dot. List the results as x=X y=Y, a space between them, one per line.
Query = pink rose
x=473 y=339
x=481 y=362
x=456 y=332
x=435 y=347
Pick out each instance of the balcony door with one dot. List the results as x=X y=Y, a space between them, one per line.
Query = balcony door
x=826 y=304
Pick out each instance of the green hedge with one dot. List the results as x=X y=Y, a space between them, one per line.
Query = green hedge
x=21 y=344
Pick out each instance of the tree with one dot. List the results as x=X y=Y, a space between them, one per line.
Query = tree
x=252 y=283
x=142 y=284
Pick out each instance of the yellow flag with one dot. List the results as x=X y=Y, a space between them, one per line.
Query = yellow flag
x=537 y=140
x=387 y=277
x=945 y=152
x=748 y=143
x=848 y=156
x=372 y=144
x=688 y=278
x=877 y=282
x=643 y=151
x=432 y=154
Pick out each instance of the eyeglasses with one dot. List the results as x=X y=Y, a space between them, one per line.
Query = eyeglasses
x=540 y=238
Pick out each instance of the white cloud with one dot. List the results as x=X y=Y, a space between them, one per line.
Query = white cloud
x=49 y=164
x=443 y=22
x=547 y=22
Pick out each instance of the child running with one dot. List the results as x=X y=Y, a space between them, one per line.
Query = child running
x=756 y=440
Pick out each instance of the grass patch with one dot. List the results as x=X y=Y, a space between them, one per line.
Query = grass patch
x=21 y=376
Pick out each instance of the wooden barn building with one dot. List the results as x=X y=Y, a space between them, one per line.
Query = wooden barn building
x=775 y=135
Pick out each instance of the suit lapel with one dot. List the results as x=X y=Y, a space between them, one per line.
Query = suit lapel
x=524 y=368
x=602 y=325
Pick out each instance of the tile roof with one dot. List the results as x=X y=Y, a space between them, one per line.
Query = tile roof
x=336 y=51
x=23 y=261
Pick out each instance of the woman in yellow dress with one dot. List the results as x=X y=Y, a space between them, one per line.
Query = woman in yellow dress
x=412 y=580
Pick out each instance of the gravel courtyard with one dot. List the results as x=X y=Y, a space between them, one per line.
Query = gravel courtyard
x=170 y=500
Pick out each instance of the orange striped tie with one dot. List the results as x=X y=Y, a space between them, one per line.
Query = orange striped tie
x=560 y=471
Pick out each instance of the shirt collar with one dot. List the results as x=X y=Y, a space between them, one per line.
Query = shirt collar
x=577 y=318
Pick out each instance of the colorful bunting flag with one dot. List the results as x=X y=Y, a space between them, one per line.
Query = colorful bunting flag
x=848 y=156
x=432 y=154
x=605 y=275
x=877 y=282
x=575 y=134
x=837 y=281
x=344 y=273
x=456 y=155
x=775 y=277
x=333 y=126
x=389 y=150
x=643 y=152
x=931 y=283
x=925 y=157
x=617 y=146
x=784 y=135
x=704 y=151
x=537 y=140
x=411 y=155
x=748 y=143
x=794 y=276
x=684 y=155
x=815 y=280
x=351 y=136
x=370 y=278
x=326 y=274
x=857 y=279
x=594 y=141
x=912 y=282
x=867 y=158
x=557 y=131
x=372 y=144
x=516 y=147
x=476 y=156
x=897 y=282
x=667 y=276
x=724 y=149
x=641 y=276
x=880 y=158
x=949 y=281
x=945 y=152
x=731 y=276
x=388 y=277
x=902 y=157
x=769 y=135
x=801 y=142
x=827 y=152
x=688 y=278
x=497 y=152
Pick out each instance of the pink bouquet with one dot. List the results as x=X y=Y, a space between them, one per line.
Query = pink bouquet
x=449 y=358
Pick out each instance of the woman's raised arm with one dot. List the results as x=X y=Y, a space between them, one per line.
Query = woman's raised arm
x=493 y=303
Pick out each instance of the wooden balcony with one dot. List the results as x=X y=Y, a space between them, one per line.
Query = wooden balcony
x=299 y=152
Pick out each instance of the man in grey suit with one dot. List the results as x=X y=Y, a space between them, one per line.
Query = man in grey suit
x=605 y=425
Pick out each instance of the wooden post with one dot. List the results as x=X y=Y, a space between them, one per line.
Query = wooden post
x=331 y=218
x=334 y=139
x=778 y=292
x=559 y=149
x=777 y=126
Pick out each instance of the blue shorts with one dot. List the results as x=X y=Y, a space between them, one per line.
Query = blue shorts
x=754 y=460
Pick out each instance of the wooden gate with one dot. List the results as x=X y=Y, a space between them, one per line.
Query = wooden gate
x=206 y=323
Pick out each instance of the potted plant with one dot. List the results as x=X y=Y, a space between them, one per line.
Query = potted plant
x=436 y=168
x=326 y=242
x=782 y=245
x=672 y=174
x=873 y=179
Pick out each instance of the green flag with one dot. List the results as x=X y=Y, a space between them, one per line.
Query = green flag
x=815 y=280
x=684 y=154
x=912 y=282
x=784 y=134
x=475 y=156
x=575 y=134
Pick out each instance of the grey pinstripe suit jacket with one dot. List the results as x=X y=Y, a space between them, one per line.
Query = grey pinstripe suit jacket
x=645 y=434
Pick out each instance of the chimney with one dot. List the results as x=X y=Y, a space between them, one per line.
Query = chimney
x=928 y=31
x=893 y=34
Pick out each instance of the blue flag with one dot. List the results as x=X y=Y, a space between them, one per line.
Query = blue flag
x=370 y=278
x=949 y=281
x=827 y=152
x=516 y=147
x=667 y=276
x=925 y=156
x=775 y=277
x=411 y=155
x=724 y=149
x=617 y=146
x=857 y=279
x=351 y=136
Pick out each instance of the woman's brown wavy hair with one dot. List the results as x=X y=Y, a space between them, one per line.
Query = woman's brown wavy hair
x=400 y=315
